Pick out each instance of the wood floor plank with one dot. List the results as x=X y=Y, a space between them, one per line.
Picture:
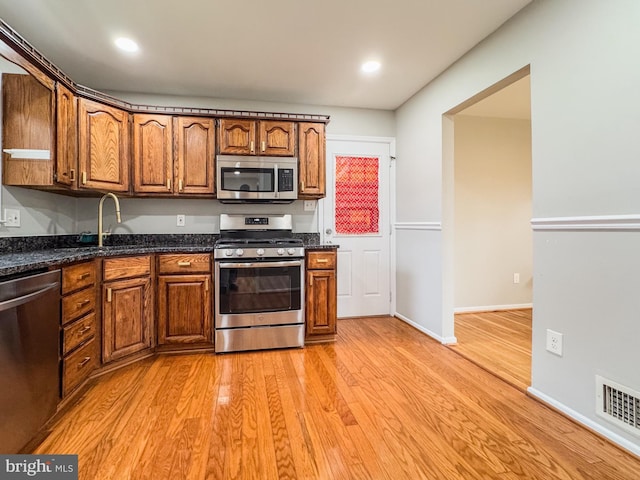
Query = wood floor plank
x=498 y=341
x=383 y=402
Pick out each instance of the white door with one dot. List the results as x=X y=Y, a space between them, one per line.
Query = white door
x=356 y=216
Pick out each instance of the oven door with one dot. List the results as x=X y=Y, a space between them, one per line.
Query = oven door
x=259 y=293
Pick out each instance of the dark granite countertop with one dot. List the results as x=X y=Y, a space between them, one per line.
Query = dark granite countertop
x=14 y=263
x=32 y=254
x=321 y=246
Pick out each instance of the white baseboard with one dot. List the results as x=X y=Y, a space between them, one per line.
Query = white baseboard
x=492 y=308
x=443 y=340
x=587 y=422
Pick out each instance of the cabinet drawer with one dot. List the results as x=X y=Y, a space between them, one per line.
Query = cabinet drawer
x=78 y=304
x=126 y=267
x=77 y=366
x=78 y=276
x=321 y=260
x=78 y=332
x=186 y=263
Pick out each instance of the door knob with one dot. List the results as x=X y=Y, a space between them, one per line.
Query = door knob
x=328 y=231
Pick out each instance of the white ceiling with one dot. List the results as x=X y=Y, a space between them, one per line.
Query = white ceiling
x=292 y=51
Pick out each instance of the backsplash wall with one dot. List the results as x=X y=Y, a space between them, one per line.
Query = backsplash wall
x=158 y=215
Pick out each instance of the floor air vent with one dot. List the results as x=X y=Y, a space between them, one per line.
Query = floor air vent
x=618 y=404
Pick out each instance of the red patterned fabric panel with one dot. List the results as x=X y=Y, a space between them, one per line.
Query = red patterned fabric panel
x=357 y=210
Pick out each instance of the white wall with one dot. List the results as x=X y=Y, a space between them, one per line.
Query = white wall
x=492 y=229
x=585 y=150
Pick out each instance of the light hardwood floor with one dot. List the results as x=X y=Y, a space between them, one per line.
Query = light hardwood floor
x=383 y=402
x=500 y=342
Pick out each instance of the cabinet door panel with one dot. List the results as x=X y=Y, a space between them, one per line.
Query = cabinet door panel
x=67 y=136
x=152 y=153
x=103 y=147
x=126 y=313
x=237 y=136
x=277 y=138
x=195 y=143
x=321 y=302
x=184 y=309
x=311 y=151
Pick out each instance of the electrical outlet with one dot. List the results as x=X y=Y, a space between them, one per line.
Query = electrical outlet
x=554 y=342
x=181 y=220
x=309 y=205
x=12 y=217
x=516 y=278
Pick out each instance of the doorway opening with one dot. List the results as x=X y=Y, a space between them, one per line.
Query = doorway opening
x=492 y=250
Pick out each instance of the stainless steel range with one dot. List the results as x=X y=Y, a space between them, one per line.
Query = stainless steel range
x=259 y=279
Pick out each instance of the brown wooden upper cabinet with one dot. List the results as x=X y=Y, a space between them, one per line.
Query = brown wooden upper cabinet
x=195 y=155
x=157 y=138
x=27 y=131
x=66 y=164
x=311 y=153
x=257 y=137
x=152 y=153
x=103 y=147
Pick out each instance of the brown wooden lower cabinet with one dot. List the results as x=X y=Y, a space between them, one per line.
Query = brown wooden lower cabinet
x=321 y=296
x=127 y=307
x=184 y=309
x=79 y=345
x=184 y=300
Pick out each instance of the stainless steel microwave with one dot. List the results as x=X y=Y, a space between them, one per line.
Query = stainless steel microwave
x=241 y=179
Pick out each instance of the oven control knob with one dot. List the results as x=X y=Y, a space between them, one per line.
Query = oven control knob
x=239 y=252
x=291 y=251
x=228 y=253
x=281 y=251
x=260 y=252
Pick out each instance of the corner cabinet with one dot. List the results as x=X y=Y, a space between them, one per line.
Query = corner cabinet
x=311 y=153
x=257 y=137
x=184 y=300
x=321 y=296
x=27 y=125
x=127 y=306
x=67 y=137
x=103 y=147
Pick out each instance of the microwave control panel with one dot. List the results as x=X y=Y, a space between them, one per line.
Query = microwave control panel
x=285 y=180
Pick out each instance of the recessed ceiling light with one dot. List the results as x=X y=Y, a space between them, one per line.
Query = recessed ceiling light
x=126 y=44
x=370 y=66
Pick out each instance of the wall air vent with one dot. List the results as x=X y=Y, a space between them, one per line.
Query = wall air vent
x=618 y=404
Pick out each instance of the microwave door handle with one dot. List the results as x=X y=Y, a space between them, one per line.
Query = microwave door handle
x=276 y=187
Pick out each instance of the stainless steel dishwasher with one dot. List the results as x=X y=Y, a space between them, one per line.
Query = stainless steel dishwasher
x=29 y=371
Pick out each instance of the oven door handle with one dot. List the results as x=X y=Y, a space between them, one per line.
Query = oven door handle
x=287 y=263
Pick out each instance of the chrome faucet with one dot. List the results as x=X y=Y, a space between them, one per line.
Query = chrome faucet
x=115 y=200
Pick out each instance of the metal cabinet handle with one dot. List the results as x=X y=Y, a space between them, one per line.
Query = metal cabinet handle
x=83 y=330
x=84 y=275
x=84 y=178
x=168 y=184
x=322 y=260
x=180 y=185
x=184 y=264
x=84 y=362
x=83 y=303
x=263 y=146
x=109 y=294
x=72 y=174
x=252 y=146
